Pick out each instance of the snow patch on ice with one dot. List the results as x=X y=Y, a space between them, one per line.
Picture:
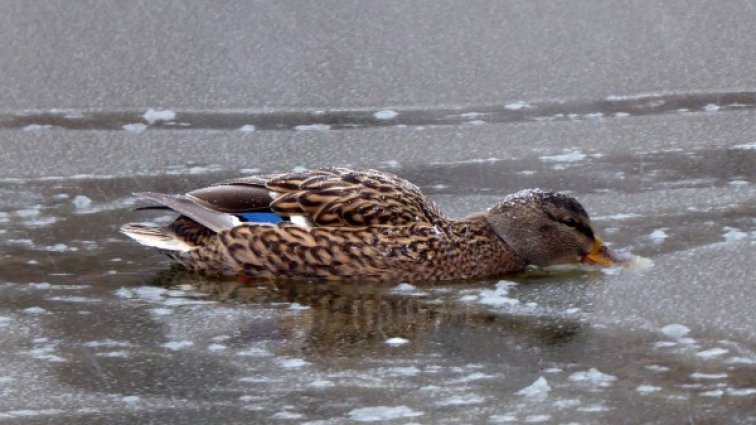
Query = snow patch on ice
x=247 y=128
x=647 y=389
x=594 y=377
x=712 y=352
x=37 y=127
x=135 y=128
x=382 y=413
x=312 y=127
x=700 y=375
x=712 y=107
x=745 y=146
x=516 y=106
x=177 y=345
x=462 y=400
x=155 y=115
x=658 y=235
x=739 y=392
x=569 y=155
x=385 y=115
x=81 y=202
x=732 y=234
x=35 y=310
x=539 y=388
x=292 y=363
x=109 y=343
x=675 y=330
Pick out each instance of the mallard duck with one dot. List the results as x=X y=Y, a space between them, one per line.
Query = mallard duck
x=368 y=225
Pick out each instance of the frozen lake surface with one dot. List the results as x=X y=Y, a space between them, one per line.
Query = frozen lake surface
x=99 y=330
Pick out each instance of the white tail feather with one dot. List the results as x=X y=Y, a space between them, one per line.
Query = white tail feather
x=156 y=237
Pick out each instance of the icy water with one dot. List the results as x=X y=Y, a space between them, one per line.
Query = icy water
x=96 y=329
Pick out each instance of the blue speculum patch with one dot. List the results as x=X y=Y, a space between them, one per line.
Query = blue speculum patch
x=260 y=217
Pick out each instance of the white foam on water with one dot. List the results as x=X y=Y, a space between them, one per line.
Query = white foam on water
x=136 y=128
x=713 y=393
x=177 y=345
x=298 y=307
x=658 y=235
x=385 y=115
x=155 y=115
x=475 y=122
x=647 y=389
x=712 y=107
x=539 y=388
x=382 y=413
x=247 y=128
x=396 y=341
x=593 y=377
x=569 y=155
x=313 y=127
x=322 y=383
x=621 y=114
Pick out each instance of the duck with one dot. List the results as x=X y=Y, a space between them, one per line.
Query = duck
x=340 y=224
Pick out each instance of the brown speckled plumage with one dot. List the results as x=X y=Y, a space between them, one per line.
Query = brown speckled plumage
x=359 y=225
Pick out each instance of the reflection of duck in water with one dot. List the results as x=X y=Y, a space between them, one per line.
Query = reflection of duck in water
x=340 y=224
x=352 y=318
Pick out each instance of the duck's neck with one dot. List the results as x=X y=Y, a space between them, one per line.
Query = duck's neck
x=489 y=255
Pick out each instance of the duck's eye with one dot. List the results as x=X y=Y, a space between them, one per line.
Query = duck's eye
x=570 y=222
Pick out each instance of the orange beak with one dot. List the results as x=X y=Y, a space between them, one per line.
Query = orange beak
x=599 y=254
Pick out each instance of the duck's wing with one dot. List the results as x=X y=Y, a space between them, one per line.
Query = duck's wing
x=339 y=197
x=219 y=207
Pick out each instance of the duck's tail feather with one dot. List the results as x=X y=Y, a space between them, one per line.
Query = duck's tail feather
x=158 y=237
x=190 y=207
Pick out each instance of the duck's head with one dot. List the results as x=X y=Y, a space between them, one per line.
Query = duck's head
x=547 y=228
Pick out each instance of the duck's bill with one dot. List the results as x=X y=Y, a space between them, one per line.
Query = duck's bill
x=602 y=256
